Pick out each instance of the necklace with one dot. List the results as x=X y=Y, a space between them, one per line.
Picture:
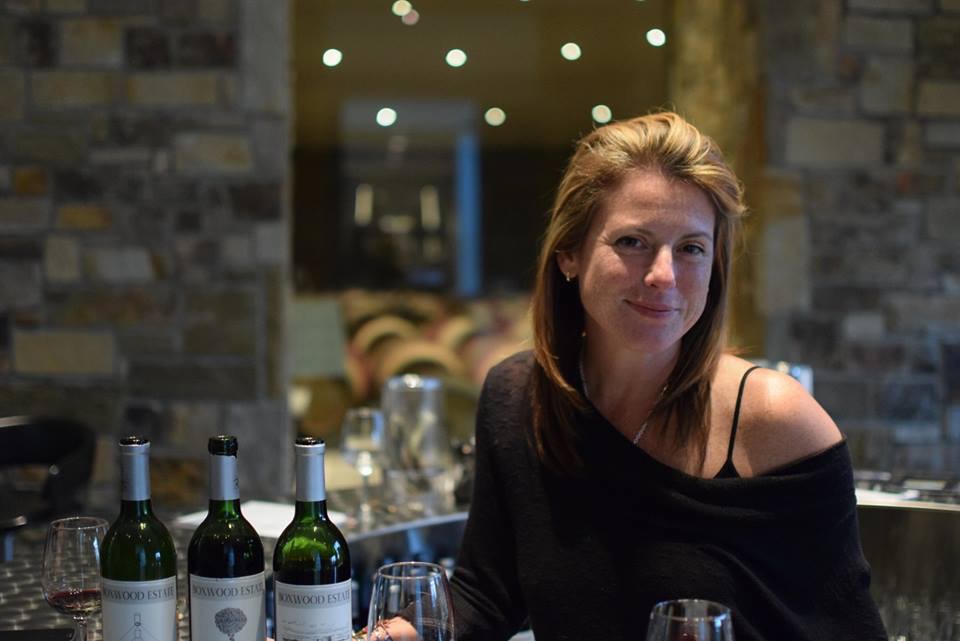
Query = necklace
x=646 y=421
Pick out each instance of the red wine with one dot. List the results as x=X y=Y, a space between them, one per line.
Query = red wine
x=76 y=602
x=225 y=559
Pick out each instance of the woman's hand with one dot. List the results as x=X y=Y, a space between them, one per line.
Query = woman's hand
x=395 y=629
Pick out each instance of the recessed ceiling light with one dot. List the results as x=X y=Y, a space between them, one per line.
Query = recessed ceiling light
x=601 y=114
x=332 y=57
x=656 y=37
x=495 y=116
x=456 y=58
x=386 y=117
x=570 y=51
x=401 y=8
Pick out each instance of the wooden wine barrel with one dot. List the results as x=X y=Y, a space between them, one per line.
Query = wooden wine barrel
x=455 y=331
x=330 y=397
x=419 y=356
x=372 y=336
x=483 y=352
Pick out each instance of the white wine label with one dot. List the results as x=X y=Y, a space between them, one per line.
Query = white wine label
x=140 y=610
x=227 y=609
x=224 y=485
x=320 y=612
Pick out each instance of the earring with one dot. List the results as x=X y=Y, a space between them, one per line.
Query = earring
x=568 y=277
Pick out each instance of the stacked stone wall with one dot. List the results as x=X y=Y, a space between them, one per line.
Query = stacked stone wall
x=861 y=215
x=143 y=224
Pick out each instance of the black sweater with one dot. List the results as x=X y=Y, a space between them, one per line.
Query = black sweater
x=586 y=557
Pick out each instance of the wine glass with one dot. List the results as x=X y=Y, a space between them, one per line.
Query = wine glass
x=361 y=444
x=71 y=568
x=690 y=620
x=411 y=600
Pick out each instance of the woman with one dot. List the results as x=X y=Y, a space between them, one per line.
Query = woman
x=629 y=459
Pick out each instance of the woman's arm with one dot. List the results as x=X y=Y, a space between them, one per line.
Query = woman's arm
x=488 y=602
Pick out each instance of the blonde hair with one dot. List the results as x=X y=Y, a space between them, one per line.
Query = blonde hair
x=671 y=145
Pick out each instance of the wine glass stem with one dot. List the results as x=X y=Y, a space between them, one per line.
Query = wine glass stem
x=79 y=629
x=365 y=496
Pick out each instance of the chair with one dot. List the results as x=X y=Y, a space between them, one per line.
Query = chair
x=66 y=447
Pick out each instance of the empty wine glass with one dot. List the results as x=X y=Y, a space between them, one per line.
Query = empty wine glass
x=71 y=568
x=361 y=444
x=408 y=598
x=690 y=620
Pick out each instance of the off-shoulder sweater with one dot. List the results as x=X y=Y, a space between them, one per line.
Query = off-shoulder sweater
x=586 y=556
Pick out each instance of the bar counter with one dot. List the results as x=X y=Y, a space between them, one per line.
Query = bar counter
x=390 y=533
x=913 y=546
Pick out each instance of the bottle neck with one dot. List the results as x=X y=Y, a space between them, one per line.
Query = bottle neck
x=310 y=510
x=311 y=488
x=136 y=509
x=135 y=480
x=224 y=484
x=224 y=509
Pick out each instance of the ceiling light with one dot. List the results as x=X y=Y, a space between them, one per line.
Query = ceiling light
x=495 y=116
x=401 y=8
x=601 y=114
x=411 y=18
x=386 y=117
x=332 y=57
x=656 y=37
x=570 y=51
x=456 y=57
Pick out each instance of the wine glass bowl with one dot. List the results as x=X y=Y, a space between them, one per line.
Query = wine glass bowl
x=71 y=568
x=690 y=620
x=361 y=437
x=361 y=445
x=416 y=592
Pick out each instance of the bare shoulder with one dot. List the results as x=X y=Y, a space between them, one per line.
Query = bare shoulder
x=779 y=423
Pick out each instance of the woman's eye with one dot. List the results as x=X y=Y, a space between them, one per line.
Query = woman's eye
x=695 y=250
x=628 y=241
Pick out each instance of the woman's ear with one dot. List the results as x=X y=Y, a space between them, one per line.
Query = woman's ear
x=567 y=262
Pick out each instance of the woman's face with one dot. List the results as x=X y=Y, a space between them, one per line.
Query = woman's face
x=644 y=267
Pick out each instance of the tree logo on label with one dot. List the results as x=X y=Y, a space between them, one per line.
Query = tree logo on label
x=230 y=621
x=137 y=632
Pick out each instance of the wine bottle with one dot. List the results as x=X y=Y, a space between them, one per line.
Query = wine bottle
x=311 y=561
x=138 y=562
x=225 y=559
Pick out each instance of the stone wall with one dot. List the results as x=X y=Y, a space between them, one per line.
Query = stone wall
x=143 y=225
x=859 y=261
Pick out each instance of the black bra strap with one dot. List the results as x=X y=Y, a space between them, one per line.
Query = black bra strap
x=736 y=414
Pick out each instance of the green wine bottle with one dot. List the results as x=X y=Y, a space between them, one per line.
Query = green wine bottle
x=225 y=559
x=138 y=562
x=311 y=561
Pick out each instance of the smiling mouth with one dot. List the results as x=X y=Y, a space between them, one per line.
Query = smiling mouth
x=652 y=308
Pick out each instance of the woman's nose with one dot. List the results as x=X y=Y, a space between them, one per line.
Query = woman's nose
x=660 y=274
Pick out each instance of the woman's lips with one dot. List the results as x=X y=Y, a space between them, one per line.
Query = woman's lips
x=657 y=310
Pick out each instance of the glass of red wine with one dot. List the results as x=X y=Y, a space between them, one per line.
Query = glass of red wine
x=71 y=568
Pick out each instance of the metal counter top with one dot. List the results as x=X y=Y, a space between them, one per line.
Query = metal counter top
x=22 y=606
